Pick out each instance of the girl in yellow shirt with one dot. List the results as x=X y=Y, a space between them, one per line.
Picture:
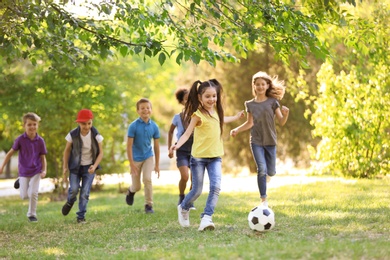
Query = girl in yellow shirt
x=205 y=114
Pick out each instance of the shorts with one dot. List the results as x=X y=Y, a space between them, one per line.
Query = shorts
x=183 y=158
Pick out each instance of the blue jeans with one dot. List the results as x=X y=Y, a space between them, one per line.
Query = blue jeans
x=86 y=183
x=214 y=170
x=265 y=158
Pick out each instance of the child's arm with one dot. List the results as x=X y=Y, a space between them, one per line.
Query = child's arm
x=194 y=121
x=228 y=119
x=44 y=165
x=156 y=147
x=99 y=158
x=6 y=159
x=245 y=126
x=65 y=158
x=129 y=148
x=170 y=138
x=282 y=114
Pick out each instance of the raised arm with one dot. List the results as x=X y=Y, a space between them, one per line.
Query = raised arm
x=245 y=126
x=195 y=120
x=282 y=115
x=228 y=119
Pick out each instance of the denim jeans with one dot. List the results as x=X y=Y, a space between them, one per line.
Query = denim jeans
x=214 y=170
x=86 y=180
x=265 y=158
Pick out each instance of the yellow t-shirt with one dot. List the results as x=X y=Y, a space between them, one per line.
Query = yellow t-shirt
x=207 y=137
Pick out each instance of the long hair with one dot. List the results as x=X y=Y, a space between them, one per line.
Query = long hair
x=193 y=104
x=276 y=87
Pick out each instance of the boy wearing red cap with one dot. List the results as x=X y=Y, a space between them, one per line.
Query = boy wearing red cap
x=82 y=155
x=140 y=154
x=32 y=162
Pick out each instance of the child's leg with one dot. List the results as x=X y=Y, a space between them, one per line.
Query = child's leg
x=33 y=195
x=24 y=187
x=136 y=178
x=270 y=158
x=86 y=183
x=258 y=155
x=147 y=180
x=198 y=166
x=214 y=169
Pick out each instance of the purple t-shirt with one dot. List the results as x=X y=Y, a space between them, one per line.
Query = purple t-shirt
x=30 y=152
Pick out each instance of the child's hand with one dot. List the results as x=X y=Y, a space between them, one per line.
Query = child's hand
x=233 y=132
x=157 y=170
x=284 y=110
x=91 y=169
x=170 y=154
x=43 y=174
x=172 y=148
x=240 y=114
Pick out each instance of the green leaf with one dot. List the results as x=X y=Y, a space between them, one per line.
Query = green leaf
x=161 y=58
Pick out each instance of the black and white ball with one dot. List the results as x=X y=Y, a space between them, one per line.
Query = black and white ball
x=261 y=218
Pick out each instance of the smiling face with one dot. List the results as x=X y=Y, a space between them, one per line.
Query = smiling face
x=260 y=86
x=144 y=110
x=208 y=98
x=85 y=127
x=31 y=127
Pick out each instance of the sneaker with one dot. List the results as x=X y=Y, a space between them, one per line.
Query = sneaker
x=184 y=216
x=32 y=219
x=148 y=209
x=181 y=198
x=264 y=204
x=130 y=197
x=206 y=223
x=81 y=220
x=66 y=208
x=192 y=207
x=268 y=178
x=17 y=184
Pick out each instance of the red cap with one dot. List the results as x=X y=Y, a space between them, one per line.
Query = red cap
x=84 y=115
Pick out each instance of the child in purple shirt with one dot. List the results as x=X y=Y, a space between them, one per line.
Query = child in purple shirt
x=32 y=162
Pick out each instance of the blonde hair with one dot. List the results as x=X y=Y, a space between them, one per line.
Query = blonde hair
x=276 y=87
x=32 y=116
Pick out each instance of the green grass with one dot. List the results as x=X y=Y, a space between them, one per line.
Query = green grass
x=323 y=220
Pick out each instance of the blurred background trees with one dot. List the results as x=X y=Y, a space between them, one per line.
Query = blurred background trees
x=57 y=62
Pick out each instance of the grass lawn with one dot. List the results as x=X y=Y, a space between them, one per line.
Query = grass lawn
x=323 y=220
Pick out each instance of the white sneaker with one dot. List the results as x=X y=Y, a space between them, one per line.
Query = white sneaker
x=184 y=216
x=264 y=204
x=268 y=178
x=206 y=223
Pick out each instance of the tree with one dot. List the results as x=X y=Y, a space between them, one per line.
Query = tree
x=352 y=110
x=182 y=30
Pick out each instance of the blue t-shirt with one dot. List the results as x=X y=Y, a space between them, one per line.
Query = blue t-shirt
x=142 y=133
x=176 y=121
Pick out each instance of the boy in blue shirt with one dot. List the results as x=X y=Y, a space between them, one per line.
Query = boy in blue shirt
x=140 y=154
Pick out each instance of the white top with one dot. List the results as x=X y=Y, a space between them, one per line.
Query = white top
x=86 y=150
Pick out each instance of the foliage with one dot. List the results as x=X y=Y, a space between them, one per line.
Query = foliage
x=56 y=95
x=167 y=29
x=311 y=223
x=352 y=110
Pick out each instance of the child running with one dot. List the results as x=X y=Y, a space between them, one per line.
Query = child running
x=82 y=155
x=140 y=153
x=32 y=162
x=205 y=112
x=183 y=154
x=261 y=112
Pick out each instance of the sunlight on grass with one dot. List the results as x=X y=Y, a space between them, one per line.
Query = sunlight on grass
x=54 y=251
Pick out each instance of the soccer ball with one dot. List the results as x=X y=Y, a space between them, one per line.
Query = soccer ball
x=261 y=218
